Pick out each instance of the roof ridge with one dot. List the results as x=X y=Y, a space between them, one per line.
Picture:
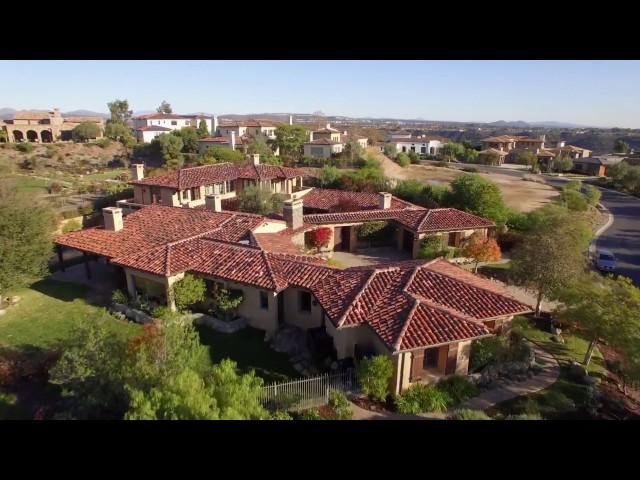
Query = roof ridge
x=342 y=319
x=270 y=271
x=405 y=327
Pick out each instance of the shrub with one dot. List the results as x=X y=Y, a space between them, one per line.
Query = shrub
x=55 y=187
x=72 y=226
x=484 y=352
x=163 y=313
x=524 y=416
x=458 y=388
x=592 y=194
x=403 y=159
x=420 y=398
x=573 y=185
x=574 y=200
x=311 y=414
x=226 y=302
x=86 y=209
x=25 y=147
x=466 y=414
x=103 y=142
x=120 y=297
x=430 y=247
x=414 y=157
x=340 y=405
x=189 y=291
x=470 y=169
x=281 y=415
x=375 y=375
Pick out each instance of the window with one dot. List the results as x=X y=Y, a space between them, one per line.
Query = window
x=430 y=359
x=195 y=193
x=305 y=302
x=264 y=301
x=174 y=122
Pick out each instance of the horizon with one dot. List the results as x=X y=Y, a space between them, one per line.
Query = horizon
x=599 y=94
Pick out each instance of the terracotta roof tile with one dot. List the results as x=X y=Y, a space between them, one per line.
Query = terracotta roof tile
x=329 y=200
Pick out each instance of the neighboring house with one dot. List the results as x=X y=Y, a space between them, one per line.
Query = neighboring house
x=232 y=141
x=147 y=127
x=362 y=141
x=424 y=315
x=322 y=148
x=249 y=127
x=189 y=186
x=400 y=134
x=509 y=147
x=422 y=145
x=596 y=166
x=45 y=127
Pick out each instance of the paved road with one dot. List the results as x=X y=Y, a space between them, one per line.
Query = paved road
x=622 y=237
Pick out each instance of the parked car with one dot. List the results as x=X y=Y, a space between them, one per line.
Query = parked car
x=605 y=261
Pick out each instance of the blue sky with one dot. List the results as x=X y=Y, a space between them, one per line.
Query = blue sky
x=600 y=93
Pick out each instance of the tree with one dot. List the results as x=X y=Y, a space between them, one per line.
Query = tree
x=529 y=158
x=120 y=112
x=631 y=181
x=290 y=139
x=169 y=147
x=618 y=171
x=562 y=163
x=164 y=107
x=90 y=371
x=390 y=150
x=329 y=177
x=482 y=249
x=607 y=308
x=474 y=194
x=189 y=136
x=203 y=130
x=403 y=159
x=259 y=200
x=551 y=256
x=188 y=291
x=226 y=302
x=353 y=150
x=491 y=158
x=117 y=131
x=592 y=194
x=414 y=158
x=259 y=144
x=219 y=154
x=451 y=151
x=321 y=237
x=621 y=146
x=25 y=238
x=470 y=155
x=237 y=396
x=375 y=376
x=85 y=131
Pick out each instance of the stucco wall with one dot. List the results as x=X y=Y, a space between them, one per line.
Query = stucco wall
x=345 y=340
x=294 y=316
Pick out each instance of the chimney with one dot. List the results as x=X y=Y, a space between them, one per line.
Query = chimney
x=290 y=119
x=214 y=129
x=292 y=212
x=311 y=135
x=384 y=200
x=254 y=159
x=232 y=140
x=112 y=219
x=328 y=125
x=213 y=202
x=560 y=144
x=137 y=171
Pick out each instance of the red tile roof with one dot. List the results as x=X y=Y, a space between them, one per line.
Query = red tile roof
x=329 y=200
x=162 y=116
x=247 y=123
x=408 y=305
x=419 y=220
x=265 y=172
x=223 y=140
x=153 y=128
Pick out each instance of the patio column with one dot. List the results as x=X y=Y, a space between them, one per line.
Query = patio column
x=87 y=269
x=131 y=285
x=60 y=257
x=171 y=301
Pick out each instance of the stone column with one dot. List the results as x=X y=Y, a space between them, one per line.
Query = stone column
x=171 y=301
x=131 y=285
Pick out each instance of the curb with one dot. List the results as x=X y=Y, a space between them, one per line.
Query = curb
x=601 y=230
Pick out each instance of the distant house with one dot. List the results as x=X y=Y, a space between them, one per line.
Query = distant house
x=596 y=166
x=45 y=127
x=249 y=127
x=422 y=145
x=327 y=142
x=148 y=127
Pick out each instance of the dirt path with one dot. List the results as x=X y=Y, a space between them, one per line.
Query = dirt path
x=521 y=195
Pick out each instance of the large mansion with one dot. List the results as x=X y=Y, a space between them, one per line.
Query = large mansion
x=148 y=127
x=423 y=314
x=45 y=127
x=508 y=147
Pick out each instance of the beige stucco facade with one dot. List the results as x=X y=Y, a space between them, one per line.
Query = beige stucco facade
x=45 y=127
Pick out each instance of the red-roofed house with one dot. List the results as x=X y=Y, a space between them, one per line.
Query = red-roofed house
x=423 y=315
x=148 y=127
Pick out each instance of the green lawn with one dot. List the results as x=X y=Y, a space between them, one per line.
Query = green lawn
x=29 y=184
x=96 y=177
x=47 y=313
x=249 y=350
x=566 y=397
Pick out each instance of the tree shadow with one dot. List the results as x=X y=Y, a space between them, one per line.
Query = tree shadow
x=64 y=291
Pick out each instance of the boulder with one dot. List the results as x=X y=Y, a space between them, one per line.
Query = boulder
x=577 y=370
x=15 y=300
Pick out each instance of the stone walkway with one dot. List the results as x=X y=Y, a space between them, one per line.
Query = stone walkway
x=506 y=390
